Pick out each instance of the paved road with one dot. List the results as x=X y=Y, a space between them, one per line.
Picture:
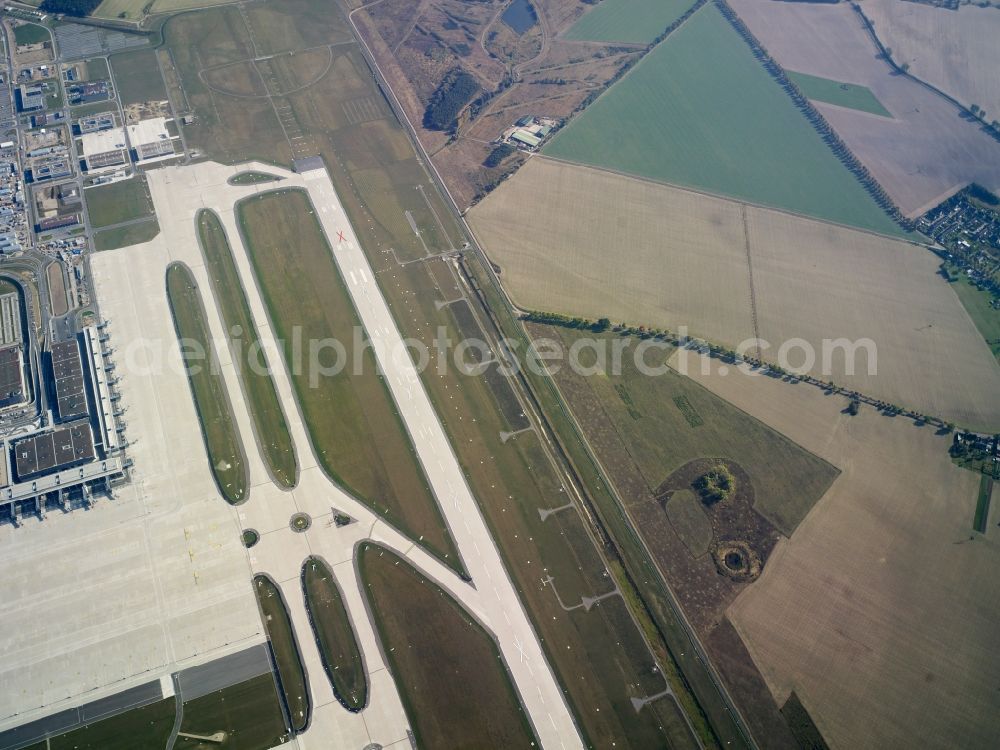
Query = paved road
x=521 y=649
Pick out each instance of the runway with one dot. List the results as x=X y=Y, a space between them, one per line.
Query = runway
x=502 y=607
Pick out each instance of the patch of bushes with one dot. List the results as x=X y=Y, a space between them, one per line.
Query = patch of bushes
x=716 y=484
x=456 y=90
x=79 y=8
x=498 y=154
x=983 y=195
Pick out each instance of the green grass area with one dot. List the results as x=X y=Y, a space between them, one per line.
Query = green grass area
x=118 y=202
x=252 y=364
x=635 y=21
x=848 y=95
x=96 y=69
x=787 y=479
x=249 y=713
x=31 y=33
x=137 y=76
x=148 y=726
x=334 y=633
x=983 y=504
x=449 y=672
x=355 y=429
x=700 y=111
x=53 y=94
x=133 y=234
x=978 y=303
x=286 y=652
x=218 y=425
x=252 y=178
x=600 y=657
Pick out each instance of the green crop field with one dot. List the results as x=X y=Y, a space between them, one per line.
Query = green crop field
x=848 y=95
x=148 y=726
x=287 y=656
x=249 y=713
x=262 y=398
x=700 y=111
x=118 y=202
x=218 y=426
x=357 y=434
x=634 y=21
x=137 y=76
x=454 y=686
x=983 y=497
x=979 y=304
x=334 y=633
x=31 y=33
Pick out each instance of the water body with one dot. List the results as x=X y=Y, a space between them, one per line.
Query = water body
x=520 y=16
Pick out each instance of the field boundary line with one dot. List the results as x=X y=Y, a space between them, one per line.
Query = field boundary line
x=730 y=199
x=753 y=291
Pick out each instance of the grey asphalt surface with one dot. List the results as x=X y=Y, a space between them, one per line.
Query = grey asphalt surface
x=229 y=670
x=61 y=722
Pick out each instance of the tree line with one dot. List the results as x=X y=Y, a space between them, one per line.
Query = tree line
x=819 y=123
x=79 y=8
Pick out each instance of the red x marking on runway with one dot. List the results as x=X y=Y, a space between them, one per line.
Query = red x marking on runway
x=340 y=236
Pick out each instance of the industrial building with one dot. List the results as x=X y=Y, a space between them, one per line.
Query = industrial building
x=11 y=333
x=31 y=97
x=103 y=149
x=78 y=453
x=151 y=141
x=67 y=376
x=87 y=93
x=13 y=388
x=53 y=169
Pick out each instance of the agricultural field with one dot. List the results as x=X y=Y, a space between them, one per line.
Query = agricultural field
x=681 y=259
x=842 y=94
x=697 y=99
x=134 y=10
x=281 y=635
x=450 y=675
x=954 y=50
x=118 y=202
x=249 y=714
x=334 y=633
x=215 y=411
x=979 y=304
x=881 y=604
x=772 y=485
x=356 y=432
x=636 y=22
x=270 y=426
x=920 y=157
x=137 y=76
x=130 y=234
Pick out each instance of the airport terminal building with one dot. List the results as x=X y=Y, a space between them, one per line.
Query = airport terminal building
x=78 y=452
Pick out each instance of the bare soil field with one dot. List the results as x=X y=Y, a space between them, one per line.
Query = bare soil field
x=956 y=51
x=580 y=241
x=587 y=243
x=880 y=611
x=416 y=49
x=927 y=151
